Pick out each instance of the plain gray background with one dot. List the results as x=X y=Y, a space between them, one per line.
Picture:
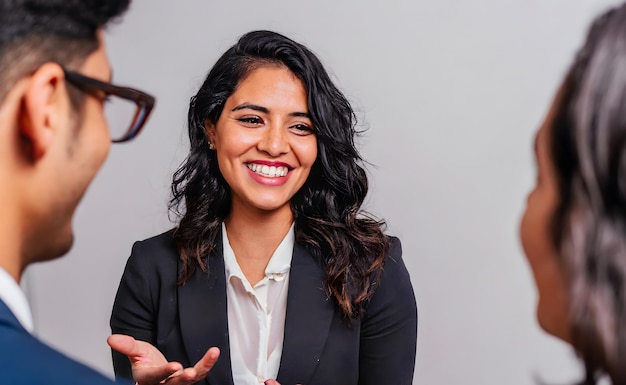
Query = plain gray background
x=451 y=93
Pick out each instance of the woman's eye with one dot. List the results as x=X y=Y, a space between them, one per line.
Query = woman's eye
x=251 y=120
x=302 y=129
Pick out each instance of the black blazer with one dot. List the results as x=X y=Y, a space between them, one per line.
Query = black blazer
x=319 y=347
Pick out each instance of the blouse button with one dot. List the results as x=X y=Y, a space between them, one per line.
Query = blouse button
x=278 y=276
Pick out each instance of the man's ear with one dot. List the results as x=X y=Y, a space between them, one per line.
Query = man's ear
x=44 y=108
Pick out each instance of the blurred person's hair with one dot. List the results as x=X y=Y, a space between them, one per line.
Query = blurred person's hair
x=588 y=150
x=35 y=32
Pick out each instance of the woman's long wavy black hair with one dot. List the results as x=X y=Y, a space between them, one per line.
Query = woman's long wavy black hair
x=588 y=149
x=327 y=209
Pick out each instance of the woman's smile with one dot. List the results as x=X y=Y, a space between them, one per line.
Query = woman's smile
x=269 y=169
x=269 y=173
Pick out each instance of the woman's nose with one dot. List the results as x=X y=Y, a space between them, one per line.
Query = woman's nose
x=274 y=141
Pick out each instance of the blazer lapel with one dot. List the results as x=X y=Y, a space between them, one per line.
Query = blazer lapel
x=204 y=317
x=308 y=319
x=8 y=318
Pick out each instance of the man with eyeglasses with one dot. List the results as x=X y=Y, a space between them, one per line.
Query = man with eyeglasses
x=54 y=81
x=59 y=114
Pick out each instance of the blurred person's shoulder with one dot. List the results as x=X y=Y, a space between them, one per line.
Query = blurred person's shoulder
x=24 y=359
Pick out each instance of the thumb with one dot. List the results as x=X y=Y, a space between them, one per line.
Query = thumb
x=124 y=344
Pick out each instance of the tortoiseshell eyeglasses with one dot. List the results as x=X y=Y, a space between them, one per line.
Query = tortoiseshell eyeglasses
x=122 y=105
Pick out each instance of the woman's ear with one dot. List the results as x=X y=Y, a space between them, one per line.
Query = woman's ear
x=209 y=128
x=45 y=108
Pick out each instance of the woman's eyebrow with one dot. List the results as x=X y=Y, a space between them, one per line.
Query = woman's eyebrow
x=251 y=107
x=266 y=110
x=300 y=115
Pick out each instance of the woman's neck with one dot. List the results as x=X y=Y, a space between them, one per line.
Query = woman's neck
x=254 y=236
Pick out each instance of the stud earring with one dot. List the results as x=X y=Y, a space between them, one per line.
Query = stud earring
x=211 y=146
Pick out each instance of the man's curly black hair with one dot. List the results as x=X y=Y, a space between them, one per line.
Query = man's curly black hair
x=34 y=32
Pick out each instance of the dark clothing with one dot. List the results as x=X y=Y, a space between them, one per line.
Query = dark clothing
x=319 y=347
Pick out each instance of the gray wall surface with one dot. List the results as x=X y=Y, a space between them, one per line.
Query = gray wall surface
x=451 y=93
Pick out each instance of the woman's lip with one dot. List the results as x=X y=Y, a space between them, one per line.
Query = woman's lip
x=269 y=181
x=268 y=171
x=271 y=163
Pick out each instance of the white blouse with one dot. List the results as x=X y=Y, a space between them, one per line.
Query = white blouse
x=256 y=315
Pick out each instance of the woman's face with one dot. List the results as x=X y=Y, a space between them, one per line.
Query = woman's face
x=264 y=140
x=552 y=306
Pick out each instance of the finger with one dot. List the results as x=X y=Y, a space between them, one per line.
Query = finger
x=124 y=344
x=271 y=382
x=206 y=363
x=137 y=351
x=155 y=375
x=183 y=377
x=192 y=375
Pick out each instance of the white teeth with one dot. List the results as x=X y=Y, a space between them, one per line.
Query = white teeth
x=268 y=171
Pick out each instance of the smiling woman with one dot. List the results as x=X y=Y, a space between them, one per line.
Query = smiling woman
x=273 y=261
